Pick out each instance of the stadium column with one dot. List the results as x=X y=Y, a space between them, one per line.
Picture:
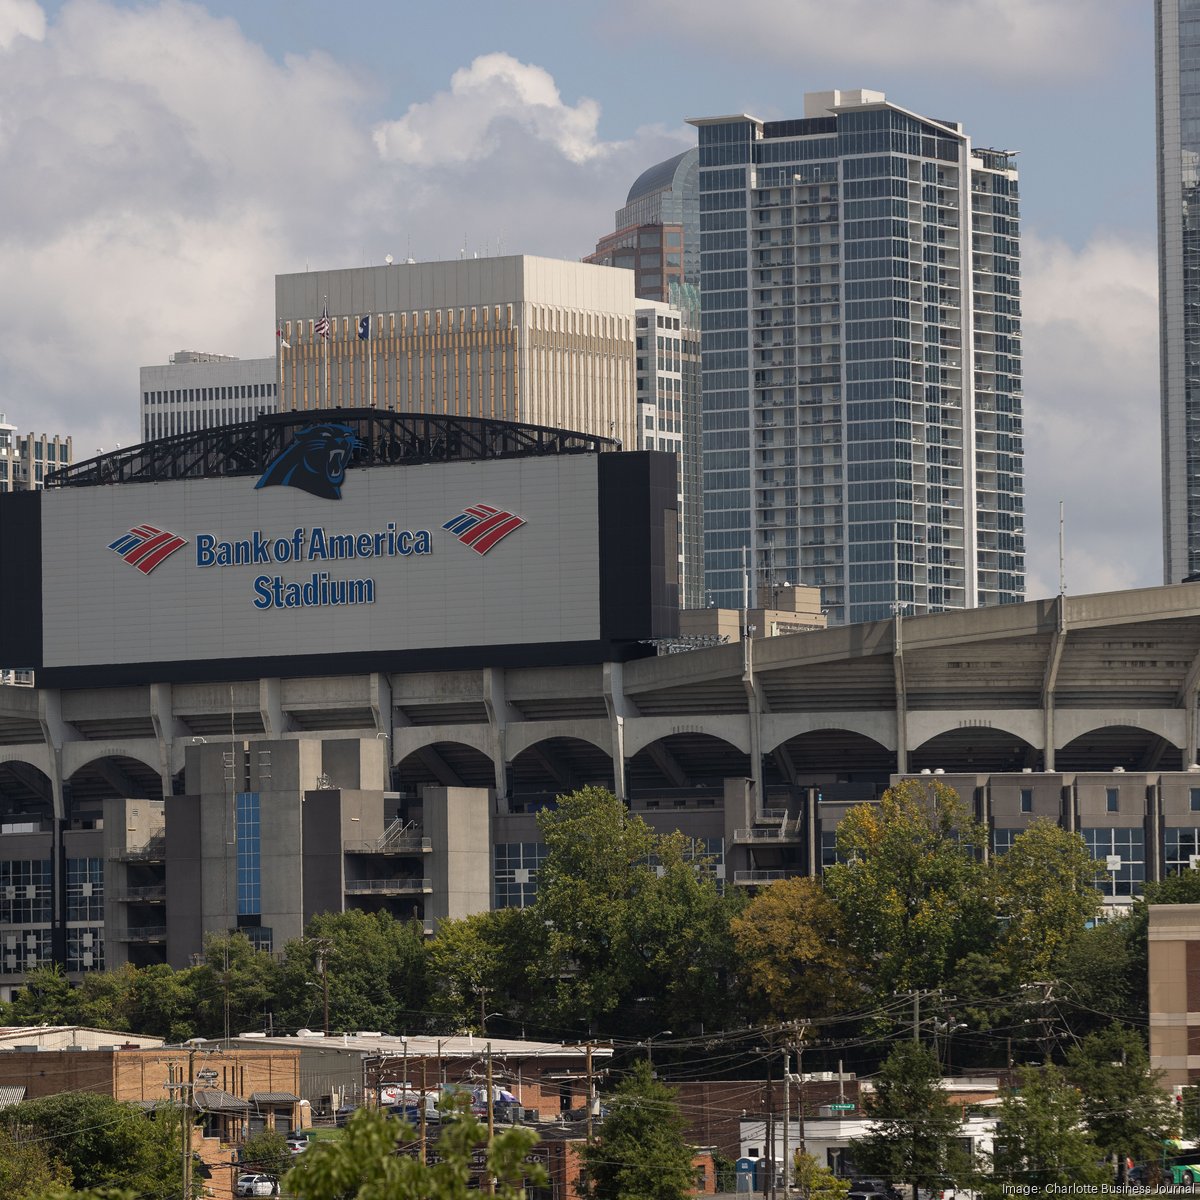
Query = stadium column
x=55 y=732
x=499 y=712
x=619 y=707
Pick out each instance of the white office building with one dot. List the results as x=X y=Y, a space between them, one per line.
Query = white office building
x=199 y=391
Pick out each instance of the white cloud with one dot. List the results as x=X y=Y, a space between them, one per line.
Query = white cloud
x=1007 y=39
x=1091 y=414
x=21 y=18
x=460 y=125
x=160 y=168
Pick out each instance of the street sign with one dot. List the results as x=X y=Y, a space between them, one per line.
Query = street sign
x=840 y=1107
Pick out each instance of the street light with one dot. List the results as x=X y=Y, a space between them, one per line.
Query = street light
x=649 y=1044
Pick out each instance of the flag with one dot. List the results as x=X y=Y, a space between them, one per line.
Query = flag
x=364 y=328
x=282 y=340
x=321 y=329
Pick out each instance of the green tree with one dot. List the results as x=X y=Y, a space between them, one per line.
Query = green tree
x=267 y=1150
x=163 y=1001
x=1103 y=974
x=375 y=967
x=475 y=965
x=791 y=945
x=27 y=1169
x=640 y=1150
x=1124 y=1107
x=628 y=930
x=45 y=998
x=915 y=1127
x=103 y=1143
x=236 y=978
x=912 y=893
x=363 y=1164
x=1040 y=1138
x=816 y=1182
x=1045 y=893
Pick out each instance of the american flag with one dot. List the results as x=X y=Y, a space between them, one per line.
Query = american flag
x=321 y=329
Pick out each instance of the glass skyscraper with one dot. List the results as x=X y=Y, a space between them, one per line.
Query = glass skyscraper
x=861 y=356
x=1177 y=62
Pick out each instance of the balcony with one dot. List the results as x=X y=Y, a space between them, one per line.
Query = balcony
x=155 y=893
x=153 y=851
x=388 y=887
x=755 y=878
x=145 y=934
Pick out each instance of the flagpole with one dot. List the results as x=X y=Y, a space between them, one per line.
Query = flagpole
x=371 y=360
x=328 y=335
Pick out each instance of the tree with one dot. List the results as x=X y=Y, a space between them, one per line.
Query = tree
x=27 y=1169
x=1040 y=1139
x=374 y=965
x=790 y=939
x=477 y=962
x=103 y=1143
x=267 y=1150
x=1045 y=893
x=1103 y=974
x=45 y=998
x=363 y=1164
x=235 y=986
x=914 y=1127
x=816 y=1182
x=912 y=892
x=163 y=1001
x=1124 y=1107
x=640 y=1150
x=623 y=914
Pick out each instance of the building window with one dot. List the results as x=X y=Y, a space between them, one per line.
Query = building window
x=85 y=889
x=1194 y=799
x=1027 y=800
x=25 y=891
x=23 y=949
x=515 y=871
x=1112 y=797
x=1180 y=845
x=85 y=949
x=249 y=856
x=1126 y=845
x=1002 y=840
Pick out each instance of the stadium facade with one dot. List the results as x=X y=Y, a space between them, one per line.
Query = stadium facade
x=205 y=751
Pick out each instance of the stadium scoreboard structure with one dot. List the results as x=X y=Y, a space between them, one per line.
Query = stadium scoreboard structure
x=314 y=543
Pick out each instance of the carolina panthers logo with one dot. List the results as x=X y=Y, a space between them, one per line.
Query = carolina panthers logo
x=315 y=462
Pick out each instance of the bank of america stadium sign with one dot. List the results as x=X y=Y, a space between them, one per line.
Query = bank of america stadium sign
x=146 y=546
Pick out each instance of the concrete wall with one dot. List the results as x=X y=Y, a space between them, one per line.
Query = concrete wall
x=458 y=820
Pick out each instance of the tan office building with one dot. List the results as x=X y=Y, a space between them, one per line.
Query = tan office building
x=518 y=338
x=1175 y=992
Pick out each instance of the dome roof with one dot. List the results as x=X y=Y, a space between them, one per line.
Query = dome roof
x=660 y=176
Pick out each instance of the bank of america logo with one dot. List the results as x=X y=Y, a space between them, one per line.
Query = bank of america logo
x=481 y=526
x=145 y=547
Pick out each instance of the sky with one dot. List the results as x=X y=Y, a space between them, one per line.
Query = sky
x=161 y=162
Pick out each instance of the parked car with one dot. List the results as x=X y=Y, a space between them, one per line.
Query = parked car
x=256 y=1185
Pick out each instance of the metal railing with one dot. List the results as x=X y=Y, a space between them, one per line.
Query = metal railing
x=412 y=845
x=155 y=850
x=150 y=893
x=143 y=933
x=783 y=833
x=398 y=887
x=752 y=877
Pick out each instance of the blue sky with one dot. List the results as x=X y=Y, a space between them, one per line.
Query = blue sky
x=162 y=161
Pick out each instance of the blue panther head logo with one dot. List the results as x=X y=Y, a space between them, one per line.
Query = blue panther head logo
x=315 y=462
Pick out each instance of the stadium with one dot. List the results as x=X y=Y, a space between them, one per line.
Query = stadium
x=342 y=658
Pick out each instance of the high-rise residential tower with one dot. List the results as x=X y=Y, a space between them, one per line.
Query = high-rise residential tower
x=861 y=359
x=1177 y=62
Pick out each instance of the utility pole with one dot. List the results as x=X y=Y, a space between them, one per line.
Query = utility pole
x=189 y=1096
x=491 y=1125
x=787 y=1116
x=423 y=1129
x=325 y=985
x=590 y=1093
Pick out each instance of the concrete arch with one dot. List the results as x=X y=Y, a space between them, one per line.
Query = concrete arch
x=38 y=756
x=685 y=760
x=447 y=762
x=520 y=735
x=778 y=728
x=559 y=764
x=1070 y=724
x=1024 y=723
x=975 y=749
x=26 y=789
x=409 y=738
x=641 y=732
x=77 y=755
x=1129 y=747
